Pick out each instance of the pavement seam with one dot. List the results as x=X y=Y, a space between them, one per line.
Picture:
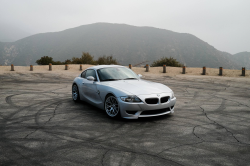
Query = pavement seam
x=222 y=127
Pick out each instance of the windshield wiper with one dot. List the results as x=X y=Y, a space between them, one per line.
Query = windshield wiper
x=111 y=79
x=130 y=79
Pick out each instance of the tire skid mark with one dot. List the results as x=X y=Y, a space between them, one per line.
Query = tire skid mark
x=190 y=144
x=119 y=148
x=9 y=101
x=112 y=148
x=222 y=106
x=10 y=145
x=109 y=147
x=28 y=108
x=39 y=126
x=103 y=156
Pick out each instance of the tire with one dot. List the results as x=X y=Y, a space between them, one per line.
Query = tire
x=75 y=93
x=111 y=107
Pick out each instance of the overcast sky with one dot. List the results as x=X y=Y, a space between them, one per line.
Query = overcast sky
x=224 y=24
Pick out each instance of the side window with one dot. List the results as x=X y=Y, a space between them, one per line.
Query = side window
x=90 y=73
x=83 y=74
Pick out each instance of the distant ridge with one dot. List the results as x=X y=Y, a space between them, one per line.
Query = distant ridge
x=128 y=44
x=243 y=59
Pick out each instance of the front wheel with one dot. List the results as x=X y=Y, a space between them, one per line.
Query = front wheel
x=75 y=93
x=112 y=106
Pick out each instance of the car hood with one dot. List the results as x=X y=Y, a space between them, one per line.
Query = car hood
x=139 y=87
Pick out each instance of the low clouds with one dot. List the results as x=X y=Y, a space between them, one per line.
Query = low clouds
x=223 y=24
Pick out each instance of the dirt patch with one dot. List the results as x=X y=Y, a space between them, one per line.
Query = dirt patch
x=74 y=70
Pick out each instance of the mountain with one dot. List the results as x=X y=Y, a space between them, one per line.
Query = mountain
x=128 y=44
x=243 y=59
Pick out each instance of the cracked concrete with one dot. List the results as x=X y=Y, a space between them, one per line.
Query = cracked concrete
x=41 y=125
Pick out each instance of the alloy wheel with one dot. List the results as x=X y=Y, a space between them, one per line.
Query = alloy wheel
x=111 y=106
x=75 y=93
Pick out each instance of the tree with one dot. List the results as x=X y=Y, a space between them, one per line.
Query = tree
x=57 y=63
x=87 y=58
x=44 y=60
x=68 y=61
x=76 y=60
x=167 y=61
x=106 y=60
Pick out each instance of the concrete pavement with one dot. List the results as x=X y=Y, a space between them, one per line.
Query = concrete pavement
x=41 y=125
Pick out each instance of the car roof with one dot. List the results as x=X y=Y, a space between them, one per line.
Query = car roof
x=103 y=66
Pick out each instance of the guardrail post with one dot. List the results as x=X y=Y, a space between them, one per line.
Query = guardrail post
x=80 y=67
x=184 y=70
x=204 y=70
x=243 y=71
x=12 y=67
x=50 y=67
x=220 y=71
x=164 y=68
x=66 y=67
x=130 y=66
x=147 y=68
x=31 y=67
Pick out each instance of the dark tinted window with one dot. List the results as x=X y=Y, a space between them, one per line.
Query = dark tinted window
x=90 y=73
x=83 y=74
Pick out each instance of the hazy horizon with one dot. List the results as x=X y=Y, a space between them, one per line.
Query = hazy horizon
x=222 y=24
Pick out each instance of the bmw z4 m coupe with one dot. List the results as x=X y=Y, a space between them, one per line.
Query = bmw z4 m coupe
x=121 y=92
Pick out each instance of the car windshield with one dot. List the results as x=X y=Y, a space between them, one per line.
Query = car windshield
x=116 y=73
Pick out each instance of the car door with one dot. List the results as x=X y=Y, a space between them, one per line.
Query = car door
x=89 y=88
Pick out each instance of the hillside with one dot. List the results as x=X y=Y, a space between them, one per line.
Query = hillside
x=128 y=44
x=243 y=59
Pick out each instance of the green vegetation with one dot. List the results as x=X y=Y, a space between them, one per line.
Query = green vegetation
x=85 y=59
x=106 y=60
x=167 y=61
x=45 y=60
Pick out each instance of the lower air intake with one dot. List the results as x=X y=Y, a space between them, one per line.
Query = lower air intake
x=154 y=112
x=131 y=112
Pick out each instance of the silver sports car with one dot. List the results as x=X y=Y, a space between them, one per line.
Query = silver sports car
x=121 y=92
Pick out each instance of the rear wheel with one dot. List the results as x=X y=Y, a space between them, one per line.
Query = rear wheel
x=75 y=93
x=112 y=106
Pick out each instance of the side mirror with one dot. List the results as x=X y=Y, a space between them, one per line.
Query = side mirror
x=90 y=78
x=139 y=75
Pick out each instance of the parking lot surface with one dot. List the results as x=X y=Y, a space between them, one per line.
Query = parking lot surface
x=41 y=125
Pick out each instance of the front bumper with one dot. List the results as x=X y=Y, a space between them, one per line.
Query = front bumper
x=135 y=110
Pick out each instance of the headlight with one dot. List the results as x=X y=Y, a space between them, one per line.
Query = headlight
x=130 y=99
x=172 y=95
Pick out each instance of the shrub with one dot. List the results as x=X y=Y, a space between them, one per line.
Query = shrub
x=68 y=61
x=85 y=59
x=76 y=60
x=106 y=60
x=57 y=63
x=167 y=61
x=45 y=60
